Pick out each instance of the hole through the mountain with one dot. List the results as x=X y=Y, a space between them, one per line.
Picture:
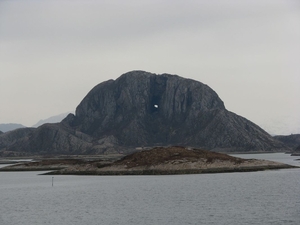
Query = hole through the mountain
x=154 y=103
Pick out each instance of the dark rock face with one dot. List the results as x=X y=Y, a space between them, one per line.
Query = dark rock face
x=141 y=108
x=13 y=138
x=144 y=109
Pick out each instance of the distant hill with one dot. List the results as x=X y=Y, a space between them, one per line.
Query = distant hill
x=292 y=140
x=52 y=119
x=4 y=127
x=141 y=109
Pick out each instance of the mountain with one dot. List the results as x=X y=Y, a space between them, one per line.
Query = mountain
x=142 y=109
x=292 y=140
x=52 y=119
x=4 y=127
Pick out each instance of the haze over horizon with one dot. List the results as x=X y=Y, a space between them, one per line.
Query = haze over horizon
x=52 y=53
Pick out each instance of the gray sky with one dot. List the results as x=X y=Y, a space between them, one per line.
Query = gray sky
x=53 y=52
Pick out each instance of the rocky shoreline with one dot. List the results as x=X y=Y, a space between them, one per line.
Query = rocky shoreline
x=171 y=172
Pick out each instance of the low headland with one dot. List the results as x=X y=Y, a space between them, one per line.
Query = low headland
x=156 y=161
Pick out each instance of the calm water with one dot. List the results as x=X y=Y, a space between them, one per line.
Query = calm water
x=268 y=197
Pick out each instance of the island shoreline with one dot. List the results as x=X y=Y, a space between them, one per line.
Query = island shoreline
x=174 y=172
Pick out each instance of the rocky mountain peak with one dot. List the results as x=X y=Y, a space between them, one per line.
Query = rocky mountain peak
x=140 y=108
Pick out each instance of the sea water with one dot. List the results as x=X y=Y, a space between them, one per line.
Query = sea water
x=265 y=197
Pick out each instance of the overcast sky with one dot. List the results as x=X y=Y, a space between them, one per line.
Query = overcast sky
x=53 y=52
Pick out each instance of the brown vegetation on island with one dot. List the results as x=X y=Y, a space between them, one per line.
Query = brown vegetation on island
x=161 y=155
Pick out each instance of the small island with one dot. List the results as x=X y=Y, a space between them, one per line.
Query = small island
x=156 y=161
